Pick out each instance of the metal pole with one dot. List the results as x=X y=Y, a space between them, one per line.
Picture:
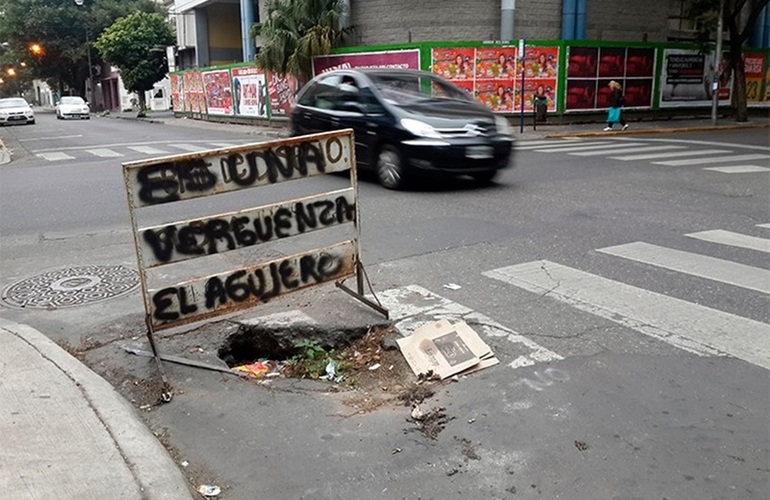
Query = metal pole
x=716 y=70
x=90 y=70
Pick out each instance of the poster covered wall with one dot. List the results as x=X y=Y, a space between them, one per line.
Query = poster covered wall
x=282 y=90
x=591 y=69
x=541 y=68
x=686 y=79
x=176 y=91
x=249 y=92
x=194 y=101
x=219 y=98
x=756 y=77
x=396 y=59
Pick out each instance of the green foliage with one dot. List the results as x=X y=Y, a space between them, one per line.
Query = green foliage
x=311 y=360
x=64 y=30
x=136 y=44
x=297 y=30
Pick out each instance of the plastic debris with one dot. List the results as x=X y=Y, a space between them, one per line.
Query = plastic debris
x=256 y=370
x=374 y=367
x=416 y=412
x=331 y=371
x=185 y=463
x=452 y=286
x=209 y=490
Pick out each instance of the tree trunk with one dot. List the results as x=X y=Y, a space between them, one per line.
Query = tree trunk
x=739 y=80
x=142 y=104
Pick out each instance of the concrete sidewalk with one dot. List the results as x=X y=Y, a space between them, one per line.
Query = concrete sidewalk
x=65 y=433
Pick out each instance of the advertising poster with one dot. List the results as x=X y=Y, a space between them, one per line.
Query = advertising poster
x=497 y=95
x=686 y=79
x=282 y=90
x=397 y=59
x=176 y=91
x=582 y=62
x=541 y=69
x=219 y=97
x=581 y=94
x=194 y=100
x=468 y=86
x=454 y=64
x=754 y=67
x=497 y=62
x=189 y=94
x=249 y=92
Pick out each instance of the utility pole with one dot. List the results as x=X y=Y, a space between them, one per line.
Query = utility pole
x=717 y=73
x=90 y=90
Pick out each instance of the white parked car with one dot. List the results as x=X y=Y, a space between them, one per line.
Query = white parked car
x=15 y=110
x=72 y=107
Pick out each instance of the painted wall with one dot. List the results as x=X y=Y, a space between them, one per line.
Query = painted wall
x=627 y=20
x=224 y=32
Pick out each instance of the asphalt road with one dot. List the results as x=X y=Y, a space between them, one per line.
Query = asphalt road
x=625 y=294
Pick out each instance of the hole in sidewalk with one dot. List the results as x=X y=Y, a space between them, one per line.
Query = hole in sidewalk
x=255 y=342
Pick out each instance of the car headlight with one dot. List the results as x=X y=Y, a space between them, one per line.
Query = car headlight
x=3 y=113
x=503 y=127
x=420 y=129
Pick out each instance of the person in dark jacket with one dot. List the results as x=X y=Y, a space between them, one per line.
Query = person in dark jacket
x=616 y=103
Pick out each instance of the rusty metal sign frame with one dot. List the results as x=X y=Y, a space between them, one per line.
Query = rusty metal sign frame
x=188 y=176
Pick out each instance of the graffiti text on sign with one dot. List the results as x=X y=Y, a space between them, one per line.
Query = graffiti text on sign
x=245 y=287
x=175 y=242
x=169 y=181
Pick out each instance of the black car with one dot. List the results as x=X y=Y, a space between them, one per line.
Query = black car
x=405 y=122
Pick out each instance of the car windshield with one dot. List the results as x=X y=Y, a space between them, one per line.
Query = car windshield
x=408 y=88
x=72 y=100
x=13 y=103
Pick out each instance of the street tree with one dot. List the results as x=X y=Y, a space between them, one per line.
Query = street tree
x=297 y=30
x=62 y=31
x=136 y=44
x=739 y=18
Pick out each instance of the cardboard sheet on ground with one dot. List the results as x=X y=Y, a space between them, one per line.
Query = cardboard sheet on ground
x=446 y=349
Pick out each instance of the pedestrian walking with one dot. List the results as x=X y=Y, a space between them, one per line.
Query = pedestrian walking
x=615 y=113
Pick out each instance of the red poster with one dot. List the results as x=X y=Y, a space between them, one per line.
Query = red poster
x=582 y=62
x=467 y=86
x=537 y=86
x=581 y=94
x=176 y=91
x=541 y=62
x=219 y=97
x=496 y=63
x=282 y=90
x=754 y=64
x=612 y=62
x=454 y=64
x=497 y=95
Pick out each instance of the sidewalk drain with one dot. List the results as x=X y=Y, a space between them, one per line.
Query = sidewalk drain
x=71 y=287
x=277 y=343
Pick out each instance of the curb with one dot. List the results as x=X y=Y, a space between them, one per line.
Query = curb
x=672 y=130
x=155 y=472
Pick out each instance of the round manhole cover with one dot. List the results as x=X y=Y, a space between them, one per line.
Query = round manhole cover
x=71 y=287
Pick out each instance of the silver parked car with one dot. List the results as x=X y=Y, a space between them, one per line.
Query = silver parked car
x=72 y=107
x=15 y=110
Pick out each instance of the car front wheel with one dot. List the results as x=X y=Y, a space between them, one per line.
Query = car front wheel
x=390 y=168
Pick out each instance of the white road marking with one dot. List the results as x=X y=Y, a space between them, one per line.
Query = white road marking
x=623 y=150
x=588 y=148
x=766 y=226
x=733 y=239
x=223 y=144
x=703 y=266
x=148 y=150
x=413 y=306
x=55 y=156
x=550 y=142
x=50 y=138
x=581 y=144
x=691 y=327
x=718 y=159
x=739 y=169
x=692 y=152
x=188 y=147
x=104 y=153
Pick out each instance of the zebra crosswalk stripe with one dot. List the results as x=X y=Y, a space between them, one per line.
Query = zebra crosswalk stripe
x=689 y=326
x=623 y=150
x=104 y=153
x=570 y=149
x=563 y=143
x=733 y=239
x=718 y=159
x=413 y=306
x=691 y=152
x=551 y=142
x=739 y=169
x=188 y=147
x=55 y=156
x=148 y=150
x=703 y=266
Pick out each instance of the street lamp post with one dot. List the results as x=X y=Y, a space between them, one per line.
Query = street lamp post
x=90 y=90
x=717 y=74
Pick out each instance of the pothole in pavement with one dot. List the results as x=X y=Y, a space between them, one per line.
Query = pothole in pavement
x=71 y=287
